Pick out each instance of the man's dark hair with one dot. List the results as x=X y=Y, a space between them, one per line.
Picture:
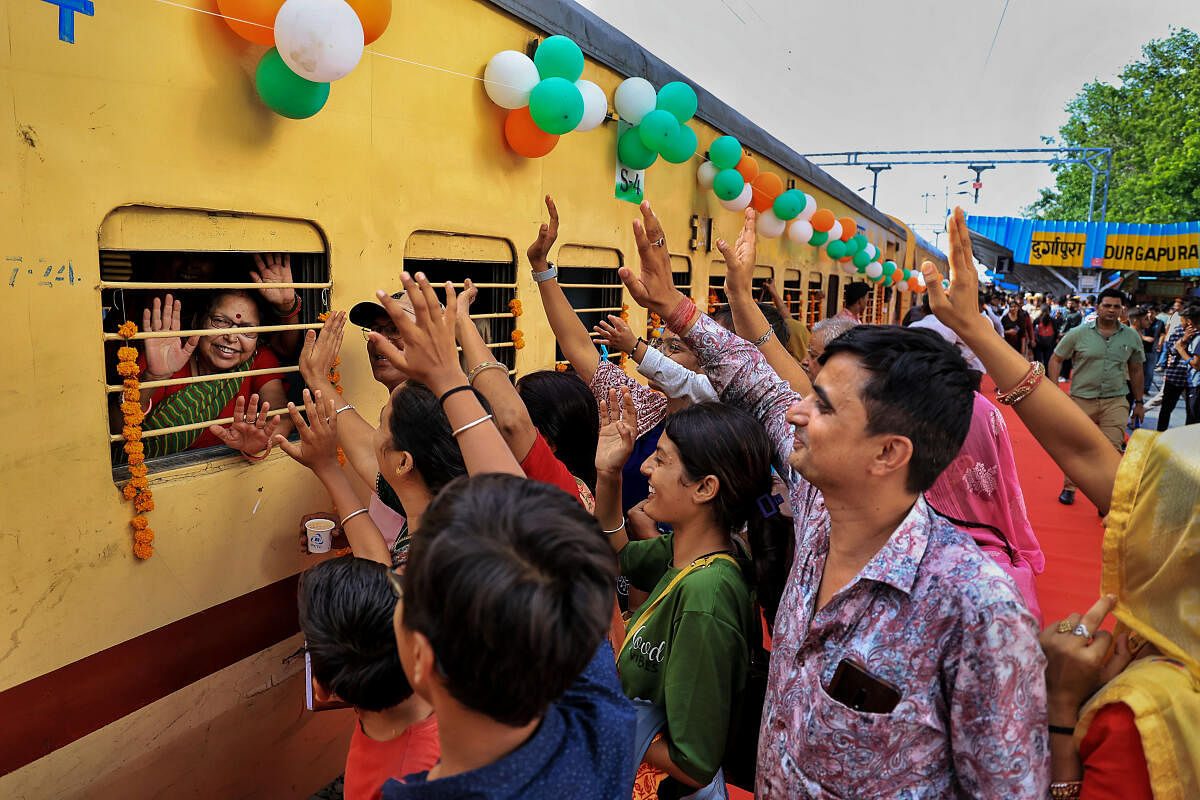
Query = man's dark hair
x=855 y=292
x=919 y=388
x=1117 y=293
x=1191 y=313
x=564 y=410
x=419 y=425
x=511 y=580
x=724 y=318
x=346 y=608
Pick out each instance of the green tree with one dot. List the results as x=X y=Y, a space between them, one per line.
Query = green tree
x=1151 y=120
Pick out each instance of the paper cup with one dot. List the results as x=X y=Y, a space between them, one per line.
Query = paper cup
x=320 y=535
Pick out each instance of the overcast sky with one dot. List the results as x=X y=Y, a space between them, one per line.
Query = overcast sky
x=907 y=74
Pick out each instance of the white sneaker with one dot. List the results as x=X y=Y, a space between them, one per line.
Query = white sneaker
x=1153 y=401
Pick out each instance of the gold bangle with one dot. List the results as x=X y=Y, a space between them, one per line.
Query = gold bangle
x=474 y=373
x=1025 y=387
x=1065 y=790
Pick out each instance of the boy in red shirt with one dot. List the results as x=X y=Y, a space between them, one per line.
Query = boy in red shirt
x=346 y=608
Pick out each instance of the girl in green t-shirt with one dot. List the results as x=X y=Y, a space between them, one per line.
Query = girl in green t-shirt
x=687 y=648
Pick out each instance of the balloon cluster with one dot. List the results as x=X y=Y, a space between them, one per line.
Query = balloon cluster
x=545 y=95
x=659 y=121
x=735 y=179
x=313 y=42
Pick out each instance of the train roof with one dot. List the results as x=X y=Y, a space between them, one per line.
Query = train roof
x=614 y=49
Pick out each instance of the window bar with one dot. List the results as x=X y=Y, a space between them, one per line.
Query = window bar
x=302 y=326
x=595 y=310
x=194 y=426
x=185 y=286
x=219 y=376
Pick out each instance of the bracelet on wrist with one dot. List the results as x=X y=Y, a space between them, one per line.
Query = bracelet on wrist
x=466 y=387
x=351 y=516
x=470 y=425
x=617 y=529
x=479 y=368
x=1023 y=389
x=760 y=341
x=294 y=310
x=258 y=457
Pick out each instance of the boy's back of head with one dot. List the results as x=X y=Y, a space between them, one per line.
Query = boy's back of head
x=511 y=582
x=346 y=607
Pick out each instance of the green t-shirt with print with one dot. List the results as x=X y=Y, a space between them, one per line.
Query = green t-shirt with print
x=691 y=655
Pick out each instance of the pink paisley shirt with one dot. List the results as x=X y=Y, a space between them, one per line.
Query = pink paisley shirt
x=930 y=614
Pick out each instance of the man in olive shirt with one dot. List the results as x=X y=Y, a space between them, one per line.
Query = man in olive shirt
x=1108 y=359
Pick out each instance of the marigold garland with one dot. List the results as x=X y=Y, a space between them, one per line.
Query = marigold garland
x=335 y=378
x=514 y=308
x=518 y=339
x=712 y=302
x=624 y=312
x=137 y=490
x=654 y=326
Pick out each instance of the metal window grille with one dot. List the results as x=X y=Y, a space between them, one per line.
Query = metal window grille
x=588 y=277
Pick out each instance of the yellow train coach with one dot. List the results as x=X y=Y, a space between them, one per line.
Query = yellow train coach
x=139 y=161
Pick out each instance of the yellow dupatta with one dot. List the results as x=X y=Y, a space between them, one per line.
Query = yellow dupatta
x=1152 y=565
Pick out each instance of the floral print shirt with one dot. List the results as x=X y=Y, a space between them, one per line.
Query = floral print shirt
x=930 y=614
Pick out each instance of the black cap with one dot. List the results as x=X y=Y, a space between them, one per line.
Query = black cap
x=365 y=313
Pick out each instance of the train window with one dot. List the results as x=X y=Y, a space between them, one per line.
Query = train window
x=812 y=308
x=206 y=261
x=490 y=263
x=588 y=277
x=833 y=296
x=681 y=273
x=716 y=286
x=793 y=293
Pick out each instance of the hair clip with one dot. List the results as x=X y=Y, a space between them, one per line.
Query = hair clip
x=768 y=504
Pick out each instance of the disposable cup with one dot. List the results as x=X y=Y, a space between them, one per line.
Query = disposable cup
x=320 y=535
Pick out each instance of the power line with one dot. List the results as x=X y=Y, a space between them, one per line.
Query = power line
x=996 y=35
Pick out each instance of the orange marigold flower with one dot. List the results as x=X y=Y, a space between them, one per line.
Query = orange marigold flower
x=143 y=503
x=624 y=307
x=138 y=470
x=561 y=367
x=139 y=482
x=129 y=492
x=131 y=433
x=519 y=344
x=139 y=523
x=335 y=377
x=127 y=329
x=136 y=458
x=324 y=315
x=132 y=395
x=143 y=550
x=131 y=407
x=339 y=389
x=127 y=354
x=134 y=447
x=336 y=361
x=135 y=419
x=145 y=536
x=127 y=369
x=518 y=334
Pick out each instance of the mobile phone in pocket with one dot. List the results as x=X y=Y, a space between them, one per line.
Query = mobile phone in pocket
x=855 y=688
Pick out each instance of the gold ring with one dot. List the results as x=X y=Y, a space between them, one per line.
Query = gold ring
x=1064 y=627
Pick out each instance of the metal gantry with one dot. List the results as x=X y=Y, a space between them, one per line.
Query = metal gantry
x=1097 y=159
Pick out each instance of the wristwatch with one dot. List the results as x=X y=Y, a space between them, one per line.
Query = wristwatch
x=551 y=271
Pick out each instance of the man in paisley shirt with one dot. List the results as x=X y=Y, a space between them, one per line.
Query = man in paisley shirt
x=904 y=663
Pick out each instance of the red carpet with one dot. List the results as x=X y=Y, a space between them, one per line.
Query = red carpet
x=1070 y=535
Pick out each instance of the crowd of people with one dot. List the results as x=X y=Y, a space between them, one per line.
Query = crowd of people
x=794 y=561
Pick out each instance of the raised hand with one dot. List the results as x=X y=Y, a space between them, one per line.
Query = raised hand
x=958 y=308
x=740 y=259
x=317 y=448
x=654 y=288
x=274 y=268
x=547 y=234
x=166 y=356
x=465 y=298
x=1078 y=665
x=251 y=430
x=616 y=334
x=618 y=429
x=321 y=349
x=430 y=354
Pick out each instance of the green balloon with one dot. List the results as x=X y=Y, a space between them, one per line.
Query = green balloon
x=836 y=249
x=789 y=204
x=285 y=92
x=860 y=270
x=679 y=99
x=725 y=152
x=819 y=238
x=556 y=105
x=889 y=267
x=559 y=57
x=680 y=147
x=728 y=184
x=851 y=246
x=861 y=240
x=905 y=274
x=632 y=152
x=657 y=128
x=861 y=259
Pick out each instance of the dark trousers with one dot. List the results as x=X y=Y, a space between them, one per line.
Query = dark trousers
x=1042 y=353
x=1193 y=405
x=1171 y=392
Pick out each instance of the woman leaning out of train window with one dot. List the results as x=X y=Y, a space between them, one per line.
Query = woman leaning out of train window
x=233 y=351
x=686 y=655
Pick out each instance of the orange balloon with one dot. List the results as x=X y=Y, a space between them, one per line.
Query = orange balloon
x=261 y=12
x=525 y=137
x=374 y=16
x=767 y=186
x=822 y=220
x=849 y=228
x=748 y=167
x=915 y=286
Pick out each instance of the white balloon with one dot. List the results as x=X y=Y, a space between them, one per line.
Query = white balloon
x=770 y=225
x=800 y=231
x=835 y=232
x=634 y=99
x=872 y=251
x=740 y=202
x=849 y=268
x=705 y=175
x=874 y=270
x=920 y=278
x=321 y=40
x=810 y=207
x=595 y=105
x=510 y=77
